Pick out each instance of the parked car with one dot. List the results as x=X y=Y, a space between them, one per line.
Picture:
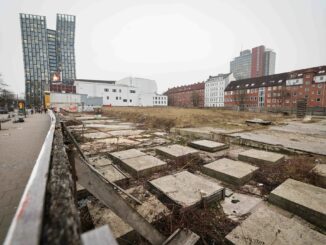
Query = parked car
x=3 y=111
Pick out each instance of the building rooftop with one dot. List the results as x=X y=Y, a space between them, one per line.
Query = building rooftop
x=95 y=81
x=183 y=88
x=273 y=80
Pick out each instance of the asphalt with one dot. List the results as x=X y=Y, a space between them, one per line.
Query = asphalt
x=20 y=144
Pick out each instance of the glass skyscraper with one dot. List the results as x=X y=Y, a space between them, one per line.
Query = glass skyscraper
x=49 y=55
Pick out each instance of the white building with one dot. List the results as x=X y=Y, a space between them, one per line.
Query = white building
x=129 y=91
x=214 y=89
x=69 y=102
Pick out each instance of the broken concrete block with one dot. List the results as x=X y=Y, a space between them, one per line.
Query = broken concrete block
x=238 y=204
x=230 y=171
x=267 y=225
x=320 y=171
x=307 y=201
x=151 y=209
x=176 y=151
x=142 y=165
x=187 y=190
x=122 y=155
x=208 y=145
x=260 y=157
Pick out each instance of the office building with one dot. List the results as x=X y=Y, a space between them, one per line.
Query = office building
x=253 y=63
x=48 y=54
x=240 y=67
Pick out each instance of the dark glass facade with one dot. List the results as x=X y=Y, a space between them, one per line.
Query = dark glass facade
x=66 y=47
x=52 y=51
x=49 y=55
x=36 y=62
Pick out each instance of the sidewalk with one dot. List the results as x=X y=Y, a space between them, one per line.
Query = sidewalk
x=20 y=144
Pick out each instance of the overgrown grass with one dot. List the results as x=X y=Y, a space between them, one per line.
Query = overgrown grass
x=167 y=117
x=298 y=168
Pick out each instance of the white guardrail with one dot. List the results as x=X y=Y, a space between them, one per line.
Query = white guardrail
x=26 y=226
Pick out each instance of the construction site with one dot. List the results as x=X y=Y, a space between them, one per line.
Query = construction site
x=147 y=176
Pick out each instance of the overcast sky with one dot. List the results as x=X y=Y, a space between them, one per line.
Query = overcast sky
x=173 y=42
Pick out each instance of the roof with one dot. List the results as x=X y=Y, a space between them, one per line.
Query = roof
x=220 y=75
x=273 y=80
x=190 y=87
x=95 y=81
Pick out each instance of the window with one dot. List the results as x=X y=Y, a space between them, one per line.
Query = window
x=125 y=100
x=119 y=90
x=318 y=100
x=318 y=92
x=306 y=89
x=106 y=90
x=116 y=98
x=114 y=90
x=321 y=78
x=107 y=97
x=130 y=100
x=307 y=82
x=132 y=91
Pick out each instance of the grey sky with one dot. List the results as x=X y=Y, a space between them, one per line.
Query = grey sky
x=174 y=42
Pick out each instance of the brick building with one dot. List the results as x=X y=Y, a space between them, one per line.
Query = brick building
x=279 y=91
x=192 y=95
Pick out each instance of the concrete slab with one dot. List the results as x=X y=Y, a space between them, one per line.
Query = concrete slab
x=126 y=132
x=268 y=226
x=239 y=205
x=282 y=140
x=151 y=209
x=187 y=190
x=320 y=171
x=114 y=175
x=260 y=157
x=109 y=127
x=203 y=132
x=307 y=201
x=97 y=135
x=208 y=145
x=99 y=162
x=142 y=165
x=230 y=171
x=131 y=153
x=176 y=151
x=119 y=140
x=317 y=129
x=100 y=121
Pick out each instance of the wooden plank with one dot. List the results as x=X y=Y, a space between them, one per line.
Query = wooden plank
x=26 y=226
x=105 y=192
x=99 y=236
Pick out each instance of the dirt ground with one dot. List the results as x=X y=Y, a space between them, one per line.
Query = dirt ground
x=168 y=117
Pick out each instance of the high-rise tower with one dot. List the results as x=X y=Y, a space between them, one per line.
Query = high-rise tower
x=49 y=55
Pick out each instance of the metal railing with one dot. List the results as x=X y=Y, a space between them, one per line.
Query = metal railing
x=26 y=226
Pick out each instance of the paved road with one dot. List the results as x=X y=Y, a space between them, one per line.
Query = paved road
x=20 y=144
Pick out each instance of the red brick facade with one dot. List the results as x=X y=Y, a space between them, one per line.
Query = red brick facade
x=192 y=95
x=279 y=90
x=257 y=61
